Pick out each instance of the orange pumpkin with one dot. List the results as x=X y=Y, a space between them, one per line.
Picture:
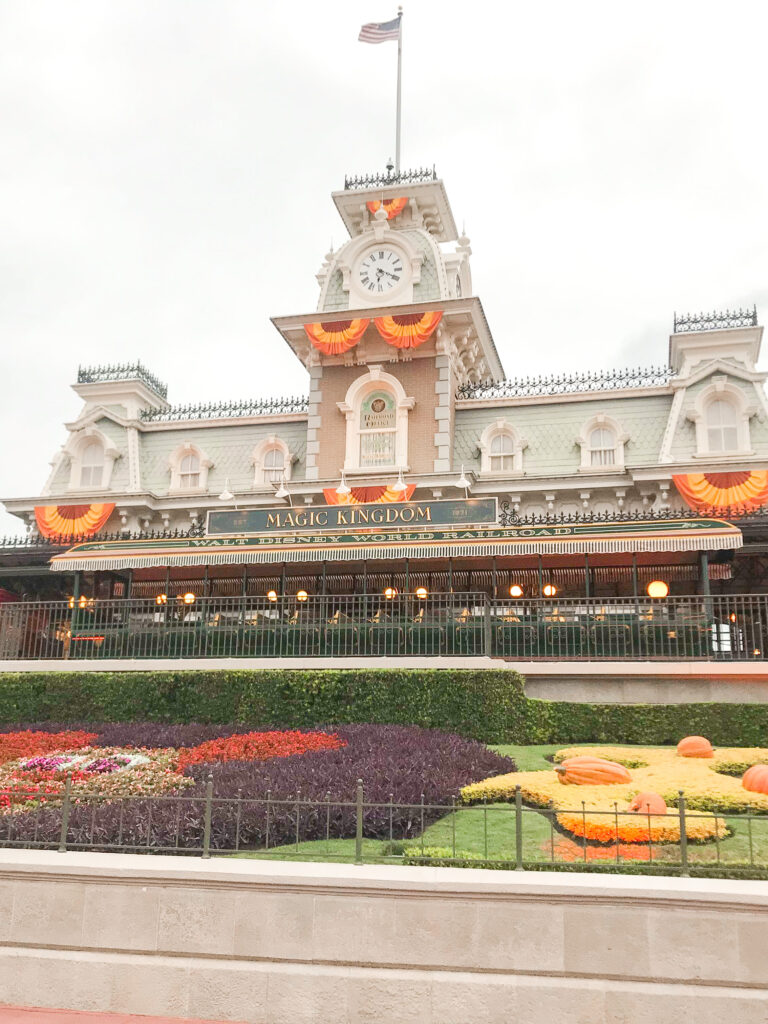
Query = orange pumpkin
x=755 y=779
x=649 y=803
x=591 y=771
x=695 y=746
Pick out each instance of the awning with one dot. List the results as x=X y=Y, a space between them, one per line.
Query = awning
x=695 y=534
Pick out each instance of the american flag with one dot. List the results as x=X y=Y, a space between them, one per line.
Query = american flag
x=380 y=33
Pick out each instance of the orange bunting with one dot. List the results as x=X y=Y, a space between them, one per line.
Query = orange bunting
x=68 y=521
x=368 y=495
x=392 y=206
x=335 y=338
x=732 y=492
x=407 y=330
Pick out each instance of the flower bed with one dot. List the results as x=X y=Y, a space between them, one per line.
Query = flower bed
x=266 y=786
x=662 y=771
x=257 y=746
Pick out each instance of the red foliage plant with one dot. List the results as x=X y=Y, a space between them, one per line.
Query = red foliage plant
x=258 y=746
x=28 y=743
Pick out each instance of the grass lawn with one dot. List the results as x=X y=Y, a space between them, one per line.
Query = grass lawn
x=489 y=832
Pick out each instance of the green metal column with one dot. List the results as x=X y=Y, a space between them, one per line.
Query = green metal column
x=704 y=587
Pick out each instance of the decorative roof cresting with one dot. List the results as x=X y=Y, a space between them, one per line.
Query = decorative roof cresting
x=390 y=177
x=228 y=410
x=567 y=383
x=715 y=321
x=121 y=371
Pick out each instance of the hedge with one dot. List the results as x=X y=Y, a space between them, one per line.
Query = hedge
x=488 y=705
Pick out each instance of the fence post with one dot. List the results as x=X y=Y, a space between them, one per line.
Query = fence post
x=65 y=814
x=487 y=628
x=207 y=818
x=359 y=823
x=683 y=834
x=518 y=829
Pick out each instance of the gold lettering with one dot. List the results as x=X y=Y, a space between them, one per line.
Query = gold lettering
x=361 y=515
x=301 y=519
x=322 y=518
x=288 y=521
x=377 y=515
x=424 y=513
x=407 y=514
x=341 y=517
x=393 y=514
x=273 y=519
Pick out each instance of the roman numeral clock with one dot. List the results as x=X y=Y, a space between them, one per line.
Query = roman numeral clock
x=380 y=270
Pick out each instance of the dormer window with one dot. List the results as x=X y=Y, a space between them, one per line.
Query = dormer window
x=189 y=472
x=501 y=450
x=189 y=469
x=92 y=459
x=502 y=453
x=274 y=465
x=273 y=461
x=722 y=426
x=602 y=445
x=92 y=465
x=722 y=412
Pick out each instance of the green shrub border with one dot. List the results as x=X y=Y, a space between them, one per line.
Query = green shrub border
x=488 y=705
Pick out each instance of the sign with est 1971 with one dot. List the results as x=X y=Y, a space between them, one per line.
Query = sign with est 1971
x=397 y=514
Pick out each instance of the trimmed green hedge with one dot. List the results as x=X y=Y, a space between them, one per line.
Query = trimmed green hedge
x=488 y=705
x=482 y=705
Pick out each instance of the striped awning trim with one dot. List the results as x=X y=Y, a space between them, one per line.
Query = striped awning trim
x=120 y=555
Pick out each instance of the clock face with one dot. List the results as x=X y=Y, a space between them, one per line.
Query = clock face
x=380 y=271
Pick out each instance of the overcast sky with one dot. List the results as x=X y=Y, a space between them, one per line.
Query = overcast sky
x=166 y=168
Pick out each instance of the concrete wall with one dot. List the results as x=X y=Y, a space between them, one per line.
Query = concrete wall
x=280 y=943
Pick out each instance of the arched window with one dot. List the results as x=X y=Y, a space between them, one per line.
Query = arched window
x=189 y=467
x=501 y=449
x=376 y=409
x=189 y=472
x=722 y=426
x=378 y=429
x=602 y=442
x=273 y=465
x=272 y=460
x=602 y=445
x=92 y=465
x=502 y=455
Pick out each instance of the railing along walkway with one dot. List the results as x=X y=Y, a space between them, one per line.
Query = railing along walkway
x=716 y=628
x=508 y=835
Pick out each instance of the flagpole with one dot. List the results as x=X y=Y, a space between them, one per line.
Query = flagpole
x=399 y=76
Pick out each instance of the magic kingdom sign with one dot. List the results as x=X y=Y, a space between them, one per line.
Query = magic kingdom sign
x=426 y=515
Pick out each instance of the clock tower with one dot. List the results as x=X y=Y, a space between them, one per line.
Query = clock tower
x=396 y=331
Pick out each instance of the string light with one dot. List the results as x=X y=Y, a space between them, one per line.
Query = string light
x=515 y=590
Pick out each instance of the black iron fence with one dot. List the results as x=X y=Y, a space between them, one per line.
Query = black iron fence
x=509 y=835
x=390 y=624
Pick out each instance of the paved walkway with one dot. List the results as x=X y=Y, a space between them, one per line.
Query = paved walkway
x=30 y=1015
